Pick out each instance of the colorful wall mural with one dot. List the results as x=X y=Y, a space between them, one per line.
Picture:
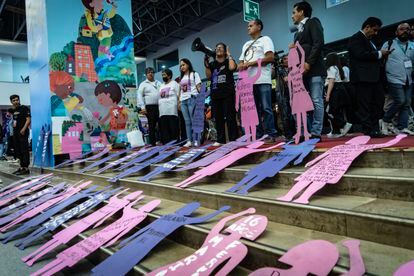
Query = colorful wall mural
x=92 y=73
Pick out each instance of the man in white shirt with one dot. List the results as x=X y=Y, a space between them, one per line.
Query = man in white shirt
x=148 y=102
x=260 y=47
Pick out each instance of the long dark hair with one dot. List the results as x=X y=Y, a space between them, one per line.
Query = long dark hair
x=190 y=67
x=332 y=59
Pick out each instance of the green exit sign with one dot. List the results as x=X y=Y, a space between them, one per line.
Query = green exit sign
x=251 y=10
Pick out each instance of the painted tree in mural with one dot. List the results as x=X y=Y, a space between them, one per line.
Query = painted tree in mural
x=57 y=62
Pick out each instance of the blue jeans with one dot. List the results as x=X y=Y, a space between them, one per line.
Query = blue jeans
x=315 y=87
x=187 y=108
x=263 y=100
x=401 y=102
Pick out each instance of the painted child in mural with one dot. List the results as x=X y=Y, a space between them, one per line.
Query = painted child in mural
x=98 y=21
x=65 y=100
x=108 y=94
x=300 y=100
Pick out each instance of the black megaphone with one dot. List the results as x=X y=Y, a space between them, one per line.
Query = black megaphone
x=199 y=46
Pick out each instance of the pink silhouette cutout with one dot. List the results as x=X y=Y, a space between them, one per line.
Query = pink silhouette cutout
x=316 y=257
x=63 y=237
x=225 y=161
x=18 y=193
x=244 y=96
x=106 y=237
x=23 y=183
x=329 y=167
x=34 y=212
x=405 y=270
x=300 y=100
x=219 y=248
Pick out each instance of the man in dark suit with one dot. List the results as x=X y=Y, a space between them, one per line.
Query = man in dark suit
x=310 y=37
x=365 y=65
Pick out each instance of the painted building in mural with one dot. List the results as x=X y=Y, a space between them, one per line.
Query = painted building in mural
x=92 y=74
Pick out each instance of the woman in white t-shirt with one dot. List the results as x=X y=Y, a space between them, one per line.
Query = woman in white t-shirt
x=336 y=96
x=168 y=107
x=190 y=84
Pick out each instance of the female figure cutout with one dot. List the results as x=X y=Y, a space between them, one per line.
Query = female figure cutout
x=244 y=96
x=329 y=167
x=300 y=100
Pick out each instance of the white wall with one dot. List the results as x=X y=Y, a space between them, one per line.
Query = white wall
x=9 y=88
x=6 y=68
x=20 y=68
x=339 y=22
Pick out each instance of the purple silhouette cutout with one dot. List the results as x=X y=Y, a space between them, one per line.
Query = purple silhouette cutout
x=187 y=157
x=300 y=100
x=103 y=160
x=244 y=96
x=19 y=214
x=122 y=160
x=148 y=154
x=56 y=221
x=272 y=166
x=39 y=218
x=96 y=218
x=142 y=242
x=329 y=167
x=160 y=157
x=219 y=248
x=225 y=161
x=106 y=237
x=212 y=156
x=198 y=115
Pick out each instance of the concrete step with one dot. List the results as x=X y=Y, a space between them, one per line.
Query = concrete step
x=277 y=239
x=382 y=183
x=395 y=158
x=384 y=221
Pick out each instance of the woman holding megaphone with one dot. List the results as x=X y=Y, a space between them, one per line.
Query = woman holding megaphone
x=220 y=72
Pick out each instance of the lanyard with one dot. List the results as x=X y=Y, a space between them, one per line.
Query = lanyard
x=404 y=50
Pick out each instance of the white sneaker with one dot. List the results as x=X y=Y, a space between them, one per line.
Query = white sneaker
x=188 y=144
x=331 y=135
x=407 y=131
x=195 y=144
x=217 y=144
x=383 y=127
x=346 y=129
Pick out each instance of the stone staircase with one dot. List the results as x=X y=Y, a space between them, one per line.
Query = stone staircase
x=373 y=203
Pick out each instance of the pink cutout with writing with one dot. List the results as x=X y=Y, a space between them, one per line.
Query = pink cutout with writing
x=219 y=248
x=300 y=100
x=106 y=237
x=405 y=270
x=23 y=192
x=329 y=167
x=68 y=193
x=225 y=161
x=21 y=184
x=96 y=218
x=316 y=257
x=244 y=96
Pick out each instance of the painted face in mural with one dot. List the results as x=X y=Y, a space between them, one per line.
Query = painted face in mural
x=105 y=99
x=97 y=5
x=64 y=90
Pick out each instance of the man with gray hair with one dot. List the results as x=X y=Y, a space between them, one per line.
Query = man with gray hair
x=399 y=69
x=148 y=102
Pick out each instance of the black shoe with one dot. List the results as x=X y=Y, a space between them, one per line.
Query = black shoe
x=23 y=172
x=315 y=136
x=18 y=171
x=376 y=134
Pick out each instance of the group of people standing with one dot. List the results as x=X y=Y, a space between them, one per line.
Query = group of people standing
x=354 y=93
